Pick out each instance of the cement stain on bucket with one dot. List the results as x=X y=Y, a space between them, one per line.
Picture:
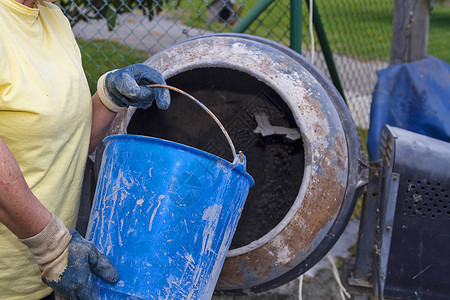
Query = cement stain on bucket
x=165 y=214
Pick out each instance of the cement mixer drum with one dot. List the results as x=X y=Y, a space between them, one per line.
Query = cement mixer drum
x=301 y=145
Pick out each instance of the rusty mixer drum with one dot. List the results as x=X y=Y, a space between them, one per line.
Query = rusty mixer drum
x=301 y=145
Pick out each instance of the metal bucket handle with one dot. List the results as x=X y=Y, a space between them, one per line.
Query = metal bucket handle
x=239 y=159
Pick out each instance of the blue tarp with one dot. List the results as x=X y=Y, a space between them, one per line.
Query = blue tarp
x=413 y=96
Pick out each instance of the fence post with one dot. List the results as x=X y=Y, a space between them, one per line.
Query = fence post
x=327 y=53
x=296 y=25
x=252 y=16
x=410 y=30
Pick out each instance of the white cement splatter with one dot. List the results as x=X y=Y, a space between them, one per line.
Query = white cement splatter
x=154 y=212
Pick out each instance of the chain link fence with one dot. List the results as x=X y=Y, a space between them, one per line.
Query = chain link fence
x=116 y=33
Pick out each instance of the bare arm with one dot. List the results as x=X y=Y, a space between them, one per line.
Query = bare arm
x=20 y=210
x=101 y=121
x=53 y=246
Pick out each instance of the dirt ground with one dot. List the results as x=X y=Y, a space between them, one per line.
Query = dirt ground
x=319 y=283
x=320 y=287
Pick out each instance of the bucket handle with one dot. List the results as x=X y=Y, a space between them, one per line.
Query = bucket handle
x=239 y=159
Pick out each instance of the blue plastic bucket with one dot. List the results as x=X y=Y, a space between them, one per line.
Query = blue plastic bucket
x=165 y=214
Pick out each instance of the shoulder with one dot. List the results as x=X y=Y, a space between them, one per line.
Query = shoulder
x=48 y=5
x=54 y=17
x=53 y=13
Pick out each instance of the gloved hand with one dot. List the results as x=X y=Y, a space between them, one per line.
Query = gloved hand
x=68 y=262
x=128 y=87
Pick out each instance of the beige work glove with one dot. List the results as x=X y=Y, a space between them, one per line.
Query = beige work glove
x=68 y=262
x=128 y=87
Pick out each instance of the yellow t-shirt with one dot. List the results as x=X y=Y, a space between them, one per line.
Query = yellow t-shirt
x=45 y=119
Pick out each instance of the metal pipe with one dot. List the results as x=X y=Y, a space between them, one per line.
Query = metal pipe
x=245 y=23
x=321 y=35
x=296 y=25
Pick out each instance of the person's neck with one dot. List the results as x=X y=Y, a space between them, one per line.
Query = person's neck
x=29 y=3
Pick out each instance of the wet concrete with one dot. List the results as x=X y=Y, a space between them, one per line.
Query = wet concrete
x=321 y=287
x=275 y=162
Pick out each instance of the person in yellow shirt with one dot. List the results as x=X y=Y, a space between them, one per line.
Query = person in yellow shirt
x=48 y=124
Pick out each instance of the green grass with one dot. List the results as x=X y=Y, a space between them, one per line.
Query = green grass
x=439 y=38
x=358 y=28
x=363 y=135
x=101 y=56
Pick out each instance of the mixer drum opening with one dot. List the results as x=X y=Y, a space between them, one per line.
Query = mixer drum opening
x=275 y=161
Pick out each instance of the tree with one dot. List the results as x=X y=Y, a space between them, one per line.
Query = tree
x=83 y=10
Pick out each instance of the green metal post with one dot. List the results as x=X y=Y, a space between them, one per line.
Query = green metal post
x=318 y=26
x=252 y=16
x=296 y=25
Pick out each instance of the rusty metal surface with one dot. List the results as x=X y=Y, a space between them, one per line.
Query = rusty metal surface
x=324 y=183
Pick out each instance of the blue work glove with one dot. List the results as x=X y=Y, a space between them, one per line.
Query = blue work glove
x=68 y=262
x=128 y=87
